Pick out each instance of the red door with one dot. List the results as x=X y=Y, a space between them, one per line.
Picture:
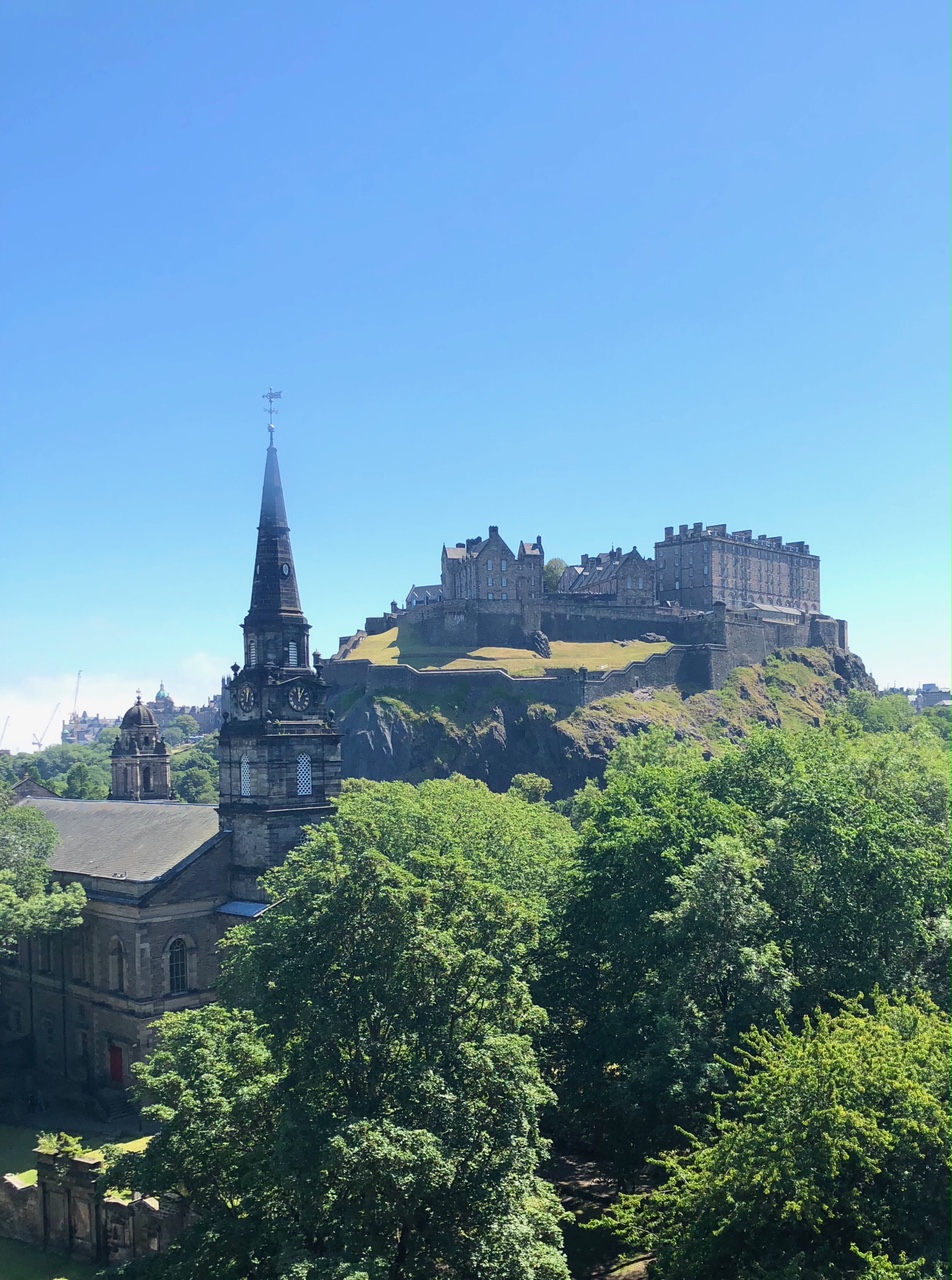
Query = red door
x=115 y=1064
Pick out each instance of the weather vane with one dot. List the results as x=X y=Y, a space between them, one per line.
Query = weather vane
x=271 y=395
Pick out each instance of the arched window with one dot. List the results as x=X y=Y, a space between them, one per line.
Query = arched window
x=292 y=654
x=117 y=966
x=305 y=783
x=178 y=967
x=252 y=652
x=245 y=772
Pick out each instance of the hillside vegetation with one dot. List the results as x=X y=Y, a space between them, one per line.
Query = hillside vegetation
x=390 y=737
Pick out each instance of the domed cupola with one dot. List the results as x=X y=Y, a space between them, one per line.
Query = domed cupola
x=140 y=759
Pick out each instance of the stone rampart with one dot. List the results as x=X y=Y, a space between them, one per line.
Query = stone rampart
x=566 y=689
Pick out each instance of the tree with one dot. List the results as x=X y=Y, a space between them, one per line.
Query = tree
x=397 y=1134
x=83 y=782
x=195 y=775
x=834 y=1164
x=188 y=724
x=29 y=902
x=531 y=786
x=552 y=573
x=788 y=870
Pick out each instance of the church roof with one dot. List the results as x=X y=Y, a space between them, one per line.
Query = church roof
x=123 y=839
x=138 y=715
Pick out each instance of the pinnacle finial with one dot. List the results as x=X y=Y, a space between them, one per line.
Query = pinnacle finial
x=271 y=395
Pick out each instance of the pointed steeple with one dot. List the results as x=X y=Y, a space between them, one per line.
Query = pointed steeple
x=274 y=592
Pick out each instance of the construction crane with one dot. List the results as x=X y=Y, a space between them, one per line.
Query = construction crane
x=6 y=726
x=73 y=717
x=38 y=741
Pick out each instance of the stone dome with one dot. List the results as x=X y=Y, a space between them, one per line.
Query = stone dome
x=138 y=715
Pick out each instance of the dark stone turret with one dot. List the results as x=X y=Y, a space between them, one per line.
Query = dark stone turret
x=140 y=759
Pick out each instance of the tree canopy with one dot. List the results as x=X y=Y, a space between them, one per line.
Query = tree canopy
x=835 y=1164
x=367 y=1103
x=30 y=903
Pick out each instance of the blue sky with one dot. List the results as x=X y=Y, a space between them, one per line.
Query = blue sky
x=577 y=269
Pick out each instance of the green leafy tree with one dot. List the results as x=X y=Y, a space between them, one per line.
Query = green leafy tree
x=382 y=1083
x=188 y=724
x=833 y=1164
x=712 y=892
x=531 y=786
x=195 y=775
x=552 y=572
x=85 y=782
x=30 y=903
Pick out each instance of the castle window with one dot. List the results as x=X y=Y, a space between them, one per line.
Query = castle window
x=489 y=566
x=490 y=596
x=489 y=581
x=117 y=966
x=502 y=565
x=305 y=782
x=641 y=584
x=178 y=967
x=505 y=595
x=244 y=771
x=292 y=654
x=503 y=582
x=629 y=584
x=252 y=653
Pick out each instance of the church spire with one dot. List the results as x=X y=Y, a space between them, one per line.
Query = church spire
x=274 y=592
x=276 y=630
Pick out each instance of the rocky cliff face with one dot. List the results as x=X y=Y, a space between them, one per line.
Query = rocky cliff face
x=387 y=738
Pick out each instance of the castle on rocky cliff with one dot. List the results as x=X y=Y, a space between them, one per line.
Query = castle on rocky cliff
x=721 y=599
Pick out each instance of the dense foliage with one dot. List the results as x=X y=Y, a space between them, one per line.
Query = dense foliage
x=787 y=871
x=30 y=903
x=836 y=1163
x=743 y=962
x=367 y=1102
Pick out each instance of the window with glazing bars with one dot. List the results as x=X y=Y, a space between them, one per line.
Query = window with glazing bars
x=178 y=967
x=245 y=773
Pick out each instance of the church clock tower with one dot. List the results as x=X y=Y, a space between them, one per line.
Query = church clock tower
x=279 y=751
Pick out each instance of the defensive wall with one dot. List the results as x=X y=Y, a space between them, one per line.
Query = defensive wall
x=705 y=648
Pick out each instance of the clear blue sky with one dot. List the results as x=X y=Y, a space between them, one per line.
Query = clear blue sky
x=577 y=269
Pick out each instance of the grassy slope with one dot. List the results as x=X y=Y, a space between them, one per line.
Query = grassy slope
x=402 y=645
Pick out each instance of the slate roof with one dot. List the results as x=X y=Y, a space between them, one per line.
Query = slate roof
x=125 y=839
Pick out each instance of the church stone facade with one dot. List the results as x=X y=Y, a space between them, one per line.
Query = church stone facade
x=165 y=880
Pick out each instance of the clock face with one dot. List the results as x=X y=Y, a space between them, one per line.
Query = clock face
x=299 y=698
x=246 y=697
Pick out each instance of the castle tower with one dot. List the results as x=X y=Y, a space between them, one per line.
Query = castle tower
x=279 y=755
x=140 y=759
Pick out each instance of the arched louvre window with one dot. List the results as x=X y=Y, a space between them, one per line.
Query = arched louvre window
x=292 y=654
x=245 y=775
x=252 y=652
x=305 y=782
x=178 y=967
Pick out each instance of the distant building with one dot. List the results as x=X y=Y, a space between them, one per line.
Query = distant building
x=424 y=595
x=84 y=729
x=932 y=695
x=626 y=576
x=698 y=567
x=487 y=569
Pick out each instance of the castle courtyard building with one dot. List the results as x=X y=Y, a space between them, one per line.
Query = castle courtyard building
x=698 y=567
